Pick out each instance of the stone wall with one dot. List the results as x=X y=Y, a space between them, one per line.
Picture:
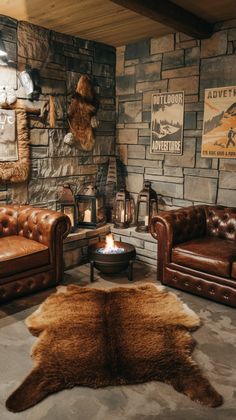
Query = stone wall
x=61 y=60
x=145 y=245
x=175 y=62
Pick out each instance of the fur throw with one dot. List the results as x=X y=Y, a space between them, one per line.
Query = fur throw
x=125 y=335
x=83 y=107
x=18 y=171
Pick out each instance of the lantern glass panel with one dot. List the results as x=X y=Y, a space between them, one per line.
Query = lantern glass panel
x=143 y=212
x=91 y=208
x=120 y=211
x=100 y=209
x=127 y=210
x=85 y=211
x=153 y=208
x=70 y=210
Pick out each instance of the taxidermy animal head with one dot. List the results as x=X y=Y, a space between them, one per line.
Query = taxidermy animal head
x=81 y=112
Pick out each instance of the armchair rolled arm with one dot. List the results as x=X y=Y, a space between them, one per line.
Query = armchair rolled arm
x=41 y=225
x=176 y=226
x=162 y=230
x=8 y=220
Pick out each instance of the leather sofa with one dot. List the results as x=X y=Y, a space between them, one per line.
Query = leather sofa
x=197 y=251
x=31 y=247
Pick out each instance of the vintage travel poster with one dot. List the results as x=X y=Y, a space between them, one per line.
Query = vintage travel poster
x=219 y=123
x=167 y=122
x=8 y=143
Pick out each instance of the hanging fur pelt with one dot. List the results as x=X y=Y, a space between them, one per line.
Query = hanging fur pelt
x=18 y=171
x=82 y=109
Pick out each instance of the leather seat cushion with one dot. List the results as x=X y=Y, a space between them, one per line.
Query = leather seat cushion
x=234 y=270
x=209 y=254
x=21 y=254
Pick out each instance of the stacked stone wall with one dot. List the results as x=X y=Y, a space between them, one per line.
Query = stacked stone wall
x=61 y=59
x=172 y=63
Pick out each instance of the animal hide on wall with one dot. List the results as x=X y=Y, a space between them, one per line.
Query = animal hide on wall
x=119 y=336
x=18 y=171
x=81 y=112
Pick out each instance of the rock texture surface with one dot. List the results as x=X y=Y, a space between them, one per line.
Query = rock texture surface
x=61 y=59
x=169 y=63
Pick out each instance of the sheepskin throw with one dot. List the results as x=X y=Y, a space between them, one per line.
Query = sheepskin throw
x=18 y=171
x=125 y=335
x=82 y=109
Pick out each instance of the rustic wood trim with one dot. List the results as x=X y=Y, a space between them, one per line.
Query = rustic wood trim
x=169 y=14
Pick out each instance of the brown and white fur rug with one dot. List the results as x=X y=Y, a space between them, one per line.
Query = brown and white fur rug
x=119 y=336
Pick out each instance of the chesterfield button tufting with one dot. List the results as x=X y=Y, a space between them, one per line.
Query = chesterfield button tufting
x=198 y=244
x=41 y=256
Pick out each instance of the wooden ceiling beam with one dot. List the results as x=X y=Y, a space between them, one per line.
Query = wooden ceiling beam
x=170 y=14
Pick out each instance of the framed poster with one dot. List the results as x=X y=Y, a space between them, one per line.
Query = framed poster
x=167 y=118
x=8 y=141
x=219 y=123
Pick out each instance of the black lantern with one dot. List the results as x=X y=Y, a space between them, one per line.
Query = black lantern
x=66 y=203
x=90 y=207
x=146 y=207
x=123 y=209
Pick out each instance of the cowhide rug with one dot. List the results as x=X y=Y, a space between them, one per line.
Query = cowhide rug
x=125 y=335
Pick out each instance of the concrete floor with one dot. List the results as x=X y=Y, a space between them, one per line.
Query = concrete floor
x=215 y=353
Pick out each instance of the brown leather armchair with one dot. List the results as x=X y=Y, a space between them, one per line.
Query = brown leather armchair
x=197 y=251
x=31 y=249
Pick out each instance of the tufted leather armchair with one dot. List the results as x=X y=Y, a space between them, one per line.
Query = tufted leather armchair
x=197 y=251
x=31 y=246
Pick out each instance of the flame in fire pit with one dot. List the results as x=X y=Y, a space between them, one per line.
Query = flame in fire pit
x=110 y=242
x=110 y=247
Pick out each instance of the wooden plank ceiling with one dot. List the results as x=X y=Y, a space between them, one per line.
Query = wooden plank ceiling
x=115 y=24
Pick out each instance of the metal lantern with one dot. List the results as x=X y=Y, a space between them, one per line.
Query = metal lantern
x=146 y=207
x=123 y=209
x=90 y=207
x=66 y=203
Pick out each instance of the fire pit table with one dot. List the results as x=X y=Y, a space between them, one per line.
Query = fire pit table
x=111 y=257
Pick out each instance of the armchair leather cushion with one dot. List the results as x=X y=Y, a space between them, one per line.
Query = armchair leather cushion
x=233 y=274
x=18 y=254
x=209 y=254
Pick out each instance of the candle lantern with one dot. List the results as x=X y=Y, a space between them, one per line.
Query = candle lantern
x=66 y=203
x=123 y=209
x=146 y=207
x=90 y=207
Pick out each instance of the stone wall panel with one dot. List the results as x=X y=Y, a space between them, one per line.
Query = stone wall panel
x=61 y=59
x=162 y=44
x=200 y=189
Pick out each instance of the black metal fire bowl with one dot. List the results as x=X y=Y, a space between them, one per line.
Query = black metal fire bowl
x=111 y=263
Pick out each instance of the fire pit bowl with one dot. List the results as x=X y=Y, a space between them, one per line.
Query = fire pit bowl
x=111 y=261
